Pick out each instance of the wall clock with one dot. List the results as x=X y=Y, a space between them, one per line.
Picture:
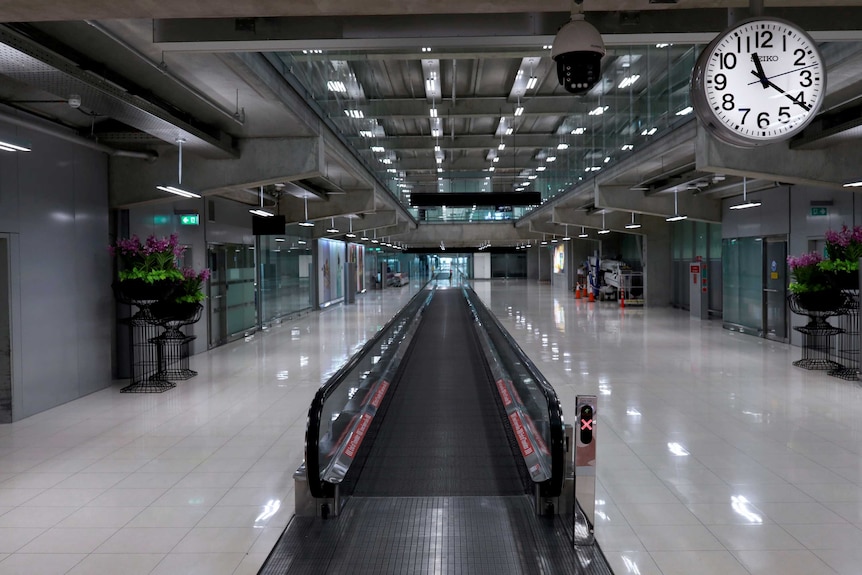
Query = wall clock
x=760 y=81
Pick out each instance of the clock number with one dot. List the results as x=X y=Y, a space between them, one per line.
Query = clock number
x=763 y=120
x=799 y=98
x=800 y=57
x=727 y=60
x=720 y=82
x=763 y=39
x=806 y=78
x=784 y=114
x=745 y=115
x=727 y=102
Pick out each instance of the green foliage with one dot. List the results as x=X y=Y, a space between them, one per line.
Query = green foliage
x=151 y=275
x=836 y=266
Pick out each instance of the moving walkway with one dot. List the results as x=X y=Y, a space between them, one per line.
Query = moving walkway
x=438 y=448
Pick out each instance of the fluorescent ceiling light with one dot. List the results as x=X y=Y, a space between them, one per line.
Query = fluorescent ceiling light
x=649 y=131
x=307 y=224
x=579 y=131
x=583 y=235
x=532 y=177
x=685 y=111
x=853 y=184
x=501 y=147
x=366 y=133
x=10 y=147
x=605 y=231
x=496 y=159
x=676 y=218
x=541 y=168
x=437 y=148
x=350 y=235
x=336 y=86
x=628 y=81
x=435 y=132
x=663 y=45
x=262 y=213
x=433 y=112
x=627 y=147
x=178 y=191
x=354 y=113
x=510 y=131
x=551 y=159
x=491 y=169
x=598 y=111
x=632 y=226
x=745 y=206
x=532 y=82
x=519 y=110
x=386 y=161
x=378 y=149
x=562 y=146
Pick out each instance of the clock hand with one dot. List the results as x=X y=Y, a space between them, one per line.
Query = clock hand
x=760 y=73
x=804 y=106
x=784 y=73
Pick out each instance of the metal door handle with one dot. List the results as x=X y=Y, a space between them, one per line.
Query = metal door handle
x=771 y=290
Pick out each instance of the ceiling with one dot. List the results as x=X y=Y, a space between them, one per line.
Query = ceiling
x=394 y=99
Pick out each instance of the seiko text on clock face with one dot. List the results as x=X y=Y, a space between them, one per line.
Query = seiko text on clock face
x=762 y=81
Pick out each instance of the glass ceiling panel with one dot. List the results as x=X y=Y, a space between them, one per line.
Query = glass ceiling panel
x=397 y=110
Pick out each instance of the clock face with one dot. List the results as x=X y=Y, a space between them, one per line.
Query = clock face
x=759 y=82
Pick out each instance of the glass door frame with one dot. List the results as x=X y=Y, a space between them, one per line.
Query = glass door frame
x=781 y=269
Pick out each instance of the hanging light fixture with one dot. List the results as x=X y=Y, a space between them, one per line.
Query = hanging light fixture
x=332 y=229
x=745 y=203
x=604 y=229
x=554 y=239
x=634 y=225
x=544 y=241
x=350 y=234
x=375 y=241
x=306 y=223
x=260 y=211
x=175 y=189
x=583 y=233
x=676 y=217
x=566 y=237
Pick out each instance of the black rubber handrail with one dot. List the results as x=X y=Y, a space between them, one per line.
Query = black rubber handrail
x=317 y=487
x=553 y=487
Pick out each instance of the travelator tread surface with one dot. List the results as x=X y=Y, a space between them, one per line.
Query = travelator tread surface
x=442 y=433
x=428 y=535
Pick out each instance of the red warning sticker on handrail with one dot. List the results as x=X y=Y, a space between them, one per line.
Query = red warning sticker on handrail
x=358 y=435
x=378 y=395
x=521 y=434
x=504 y=393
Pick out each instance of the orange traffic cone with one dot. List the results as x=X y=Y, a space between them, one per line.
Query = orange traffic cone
x=592 y=296
x=622 y=299
x=578 y=291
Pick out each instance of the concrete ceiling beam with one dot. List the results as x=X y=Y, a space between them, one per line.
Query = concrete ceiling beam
x=262 y=161
x=695 y=207
x=353 y=202
x=781 y=163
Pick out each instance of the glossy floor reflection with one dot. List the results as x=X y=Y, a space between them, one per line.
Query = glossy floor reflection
x=715 y=454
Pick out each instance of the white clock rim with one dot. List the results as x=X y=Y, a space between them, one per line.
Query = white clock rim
x=726 y=131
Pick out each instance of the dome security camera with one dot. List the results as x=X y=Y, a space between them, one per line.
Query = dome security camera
x=578 y=50
x=75 y=101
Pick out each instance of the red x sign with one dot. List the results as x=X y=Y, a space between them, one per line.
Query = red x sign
x=587 y=424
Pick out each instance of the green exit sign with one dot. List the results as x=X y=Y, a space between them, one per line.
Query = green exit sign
x=819 y=212
x=189 y=219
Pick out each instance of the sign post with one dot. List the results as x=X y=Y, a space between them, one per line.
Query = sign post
x=585 y=470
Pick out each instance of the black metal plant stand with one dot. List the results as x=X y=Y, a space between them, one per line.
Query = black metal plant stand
x=173 y=348
x=847 y=342
x=817 y=335
x=143 y=353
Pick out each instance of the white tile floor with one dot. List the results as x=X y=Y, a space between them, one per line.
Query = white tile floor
x=176 y=483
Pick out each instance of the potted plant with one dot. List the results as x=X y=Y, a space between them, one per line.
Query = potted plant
x=812 y=287
x=844 y=249
x=184 y=303
x=148 y=270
